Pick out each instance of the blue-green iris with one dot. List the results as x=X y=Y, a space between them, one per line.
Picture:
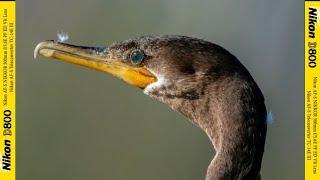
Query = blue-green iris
x=136 y=57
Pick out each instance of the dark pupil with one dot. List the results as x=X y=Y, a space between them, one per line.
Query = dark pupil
x=137 y=57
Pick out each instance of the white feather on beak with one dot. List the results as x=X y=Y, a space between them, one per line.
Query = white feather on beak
x=62 y=36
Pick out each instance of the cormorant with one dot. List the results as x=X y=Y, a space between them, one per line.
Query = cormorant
x=197 y=78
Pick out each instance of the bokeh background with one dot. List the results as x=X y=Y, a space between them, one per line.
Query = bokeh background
x=76 y=123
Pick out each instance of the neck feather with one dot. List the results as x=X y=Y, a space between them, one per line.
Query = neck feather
x=232 y=113
x=235 y=123
x=238 y=153
x=234 y=120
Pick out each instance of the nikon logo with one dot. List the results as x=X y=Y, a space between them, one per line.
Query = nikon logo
x=6 y=158
x=312 y=22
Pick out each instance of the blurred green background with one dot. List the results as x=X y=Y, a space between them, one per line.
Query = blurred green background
x=76 y=123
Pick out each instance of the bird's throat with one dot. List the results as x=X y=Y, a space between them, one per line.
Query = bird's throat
x=235 y=125
x=235 y=164
x=239 y=147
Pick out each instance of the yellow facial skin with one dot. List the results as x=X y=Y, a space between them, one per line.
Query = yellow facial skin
x=134 y=75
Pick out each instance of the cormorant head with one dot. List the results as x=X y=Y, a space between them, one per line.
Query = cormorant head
x=172 y=69
x=149 y=61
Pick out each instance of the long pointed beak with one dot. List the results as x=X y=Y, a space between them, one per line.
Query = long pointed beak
x=96 y=58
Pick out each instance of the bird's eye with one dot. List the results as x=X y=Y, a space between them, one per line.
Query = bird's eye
x=136 y=57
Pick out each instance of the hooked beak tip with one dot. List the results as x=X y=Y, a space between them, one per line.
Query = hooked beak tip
x=36 y=51
x=39 y=47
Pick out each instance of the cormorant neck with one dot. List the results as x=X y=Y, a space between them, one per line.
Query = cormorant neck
x=232 y=113
x=235 y=158
x=234 y=120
